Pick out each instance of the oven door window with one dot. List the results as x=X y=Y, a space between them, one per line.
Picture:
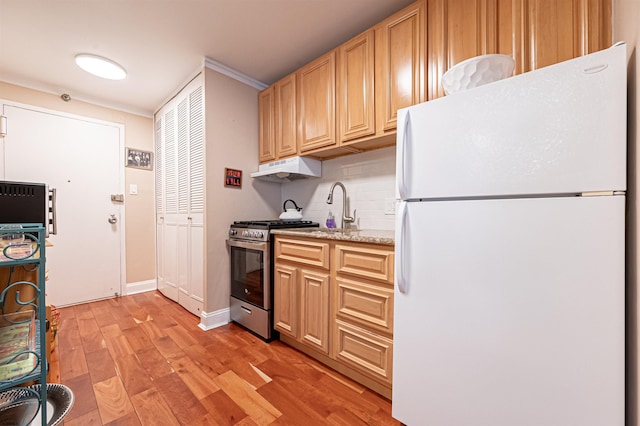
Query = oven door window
x=247 y=275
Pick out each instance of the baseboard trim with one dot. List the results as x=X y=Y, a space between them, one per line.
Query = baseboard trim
x=139 y=287
x=211 y=320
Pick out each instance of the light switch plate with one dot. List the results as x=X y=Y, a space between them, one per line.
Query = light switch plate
x=133 y=189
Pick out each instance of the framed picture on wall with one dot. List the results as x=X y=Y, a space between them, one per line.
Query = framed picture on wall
x=139 y=159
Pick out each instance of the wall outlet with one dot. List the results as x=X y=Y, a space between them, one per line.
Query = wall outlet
x=389 y=206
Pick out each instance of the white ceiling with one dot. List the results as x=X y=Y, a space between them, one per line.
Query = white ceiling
x=163 y=43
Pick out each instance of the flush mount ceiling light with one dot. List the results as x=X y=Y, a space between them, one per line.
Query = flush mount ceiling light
x=101 y=67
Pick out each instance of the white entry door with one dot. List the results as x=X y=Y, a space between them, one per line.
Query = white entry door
x=83 y=159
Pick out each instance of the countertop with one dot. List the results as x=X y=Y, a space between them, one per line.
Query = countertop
x=372 y=236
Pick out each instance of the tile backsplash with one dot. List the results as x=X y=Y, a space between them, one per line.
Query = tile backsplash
x=370 y=181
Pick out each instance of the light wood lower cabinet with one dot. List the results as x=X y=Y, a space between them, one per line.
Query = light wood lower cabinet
x=364 y=304
x=301 y=292
x=334 y=301
x=363 y=350
x=314 y=309
x=285 y=287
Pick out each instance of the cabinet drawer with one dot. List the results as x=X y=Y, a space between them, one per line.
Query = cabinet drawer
x=366 y=352
x=365 y=261
x=302 y=251
x=366 y=304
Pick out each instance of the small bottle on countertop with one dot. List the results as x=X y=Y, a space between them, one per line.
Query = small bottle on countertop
x=331 y=222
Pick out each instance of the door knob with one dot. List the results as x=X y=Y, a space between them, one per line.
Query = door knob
x=112 y=219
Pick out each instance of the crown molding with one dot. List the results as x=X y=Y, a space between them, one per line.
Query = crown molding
x=236 y=75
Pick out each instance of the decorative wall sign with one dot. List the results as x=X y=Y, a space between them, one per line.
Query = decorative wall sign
x=232 y=178
x=139 y=159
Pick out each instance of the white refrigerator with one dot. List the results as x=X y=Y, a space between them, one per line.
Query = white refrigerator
x=510 y=251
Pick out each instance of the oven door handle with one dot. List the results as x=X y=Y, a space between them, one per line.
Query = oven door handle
x=248 y=245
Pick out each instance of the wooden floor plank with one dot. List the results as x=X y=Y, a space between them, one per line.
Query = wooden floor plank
x=222 y=409
x=183 y=403
x=152 y=409
x=130 y=419
x=101 y=366
x=119 y=346
x=142 y=359
x=196 y=380
x=255 y=405
x=133 y=376
x=75 y=362
x=93 y=341
x=180 y=336
x=168 y=348
x=113 y=401
x=84 y=396
x=137 y=339
x=288 y=404
x=154 y=363
x=92 y=418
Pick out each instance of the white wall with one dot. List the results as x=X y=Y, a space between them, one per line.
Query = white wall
x=232 y=142
x=369 y=178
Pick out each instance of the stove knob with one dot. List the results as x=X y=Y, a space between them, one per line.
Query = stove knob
x=245 y=233
x=259 y=234
x=232 y=232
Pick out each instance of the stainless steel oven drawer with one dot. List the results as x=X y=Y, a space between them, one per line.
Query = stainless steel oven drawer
x=250 y=316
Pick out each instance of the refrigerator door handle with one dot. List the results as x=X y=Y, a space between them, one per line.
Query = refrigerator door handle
x=402 y=148
x=401 y=240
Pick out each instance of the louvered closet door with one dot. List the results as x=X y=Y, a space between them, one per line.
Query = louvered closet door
x=196 y=201
x=180 y=197
x=159 y=180
x=170 y=214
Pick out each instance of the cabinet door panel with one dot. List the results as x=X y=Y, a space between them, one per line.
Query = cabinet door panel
x=316 y=103
x=286 y=125
x=364 y=304
x=400 y=56
x=315 y=309
x=459 y=30
x=559 y=30
x=285 y=305
x=366 y=352
x=266 y=135
x=313 y=253
x=364 y=261
x=356 y=107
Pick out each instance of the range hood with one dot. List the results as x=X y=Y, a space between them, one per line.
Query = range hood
x=289 y=169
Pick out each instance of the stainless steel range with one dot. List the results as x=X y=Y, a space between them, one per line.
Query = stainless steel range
x=251 y=249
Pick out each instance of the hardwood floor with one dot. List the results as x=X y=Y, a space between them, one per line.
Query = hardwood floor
x=142 y=360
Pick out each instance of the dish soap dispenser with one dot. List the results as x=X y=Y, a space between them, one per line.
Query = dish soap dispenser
x=331 y=222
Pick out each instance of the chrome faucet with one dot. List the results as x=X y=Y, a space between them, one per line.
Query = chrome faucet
x=345 y=208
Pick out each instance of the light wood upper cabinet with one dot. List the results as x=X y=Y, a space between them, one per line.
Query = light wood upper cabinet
x=266 y=114
x=317 y=103
x=458 y=30
x=400 y=63
x=342 y=107
x=278 y=121
x=546 y=32
x=536 y=33
x=286 y=125
x=356 y=105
